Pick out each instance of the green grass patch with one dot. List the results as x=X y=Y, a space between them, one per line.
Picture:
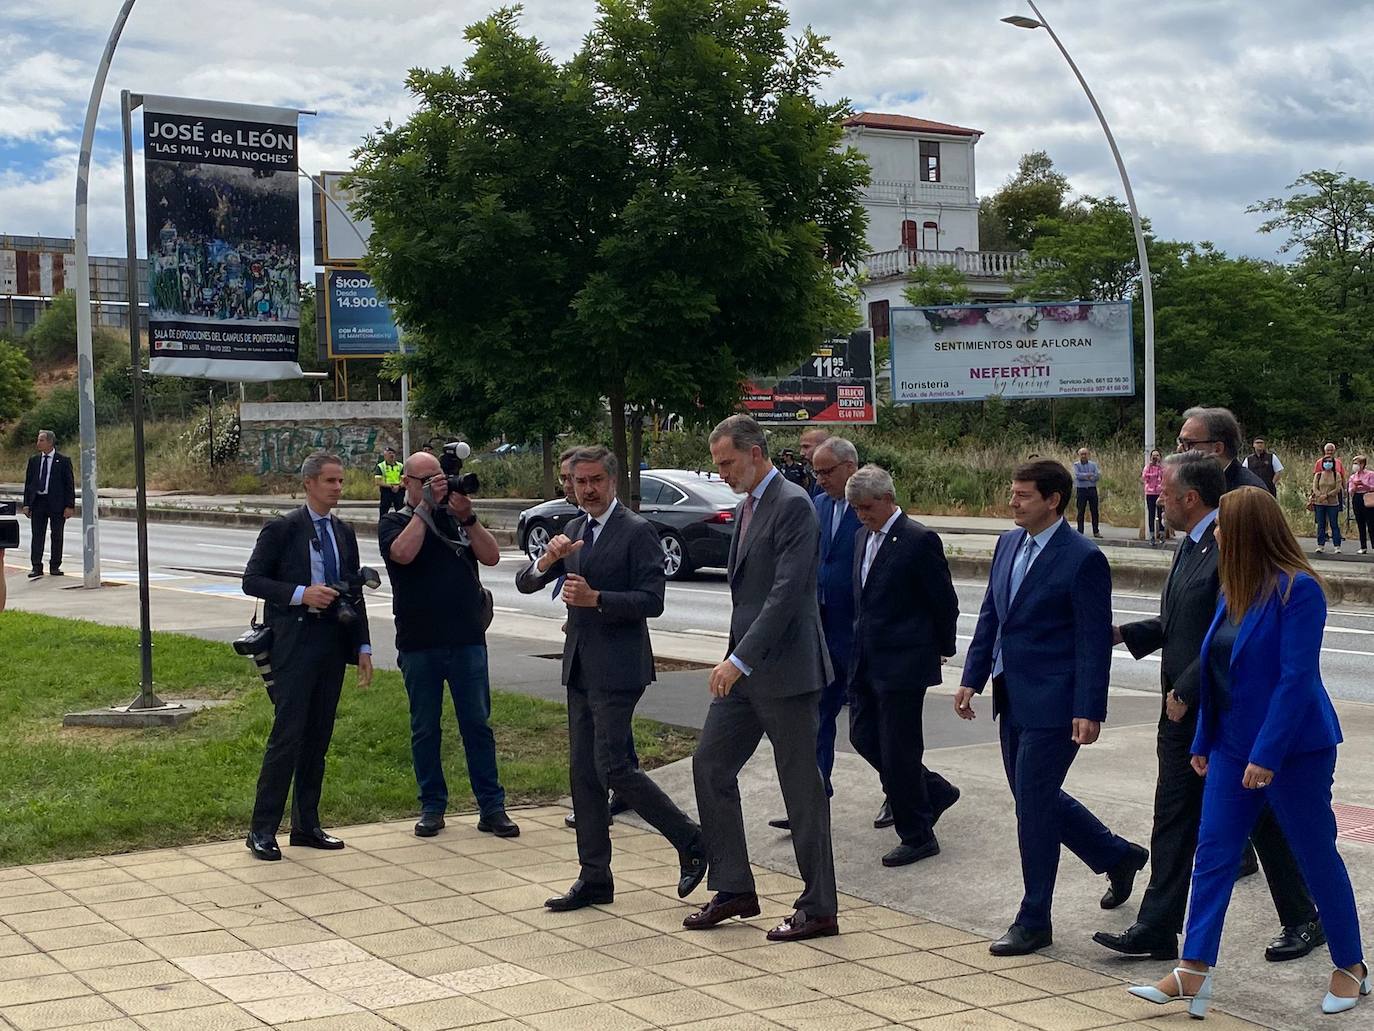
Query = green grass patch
x=68 y=792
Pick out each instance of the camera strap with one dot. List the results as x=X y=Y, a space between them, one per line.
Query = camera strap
x=488 y=600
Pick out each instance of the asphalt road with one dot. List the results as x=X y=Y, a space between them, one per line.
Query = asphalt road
x=700 y=606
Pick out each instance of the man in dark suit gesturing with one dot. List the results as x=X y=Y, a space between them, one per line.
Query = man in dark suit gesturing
x=295 y=559
x=49 y=501
x=1044 y=636
x=1193 y=484
x=611 y=564
x=907 y=616
x=770 y=683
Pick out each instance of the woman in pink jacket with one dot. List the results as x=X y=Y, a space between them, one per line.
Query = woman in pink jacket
x=1361 y=491
x=1152 y=476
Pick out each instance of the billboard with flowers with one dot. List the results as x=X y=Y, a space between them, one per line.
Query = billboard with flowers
x=975 y=351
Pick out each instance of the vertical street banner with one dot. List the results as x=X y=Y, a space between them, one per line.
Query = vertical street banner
x=223 y=214
x=834 y=385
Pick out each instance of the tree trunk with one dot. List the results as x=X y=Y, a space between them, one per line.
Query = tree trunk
x=636 y=453
x=616 y=399
x=546 y=457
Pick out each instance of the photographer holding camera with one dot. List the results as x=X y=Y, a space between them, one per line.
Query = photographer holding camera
x=432 y=548
x=315 y=635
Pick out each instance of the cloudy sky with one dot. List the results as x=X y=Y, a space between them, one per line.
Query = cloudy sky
x=1215 y=103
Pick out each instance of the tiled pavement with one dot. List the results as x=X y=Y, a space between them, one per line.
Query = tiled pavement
x=395 y=932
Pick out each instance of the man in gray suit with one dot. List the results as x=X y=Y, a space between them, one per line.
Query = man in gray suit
x=612 y=566
x=770 y=683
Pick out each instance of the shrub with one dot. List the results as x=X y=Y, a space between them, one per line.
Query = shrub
x=57 y=412
x=16 y=382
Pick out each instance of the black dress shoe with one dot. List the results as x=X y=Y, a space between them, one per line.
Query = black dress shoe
x=429 y=824
x=263 y=846
x=316 y=838
x=722 y=907
x=884 y=817
x=1121 y=880
x=499 y=824
x=692 y=864
x=581 y=895
x=34 y=574
x=617 y=805
x=946 y=807
x=1140 y=942
x=905 y=854
x=1295 y=942
x=1021 y=941
x=782 y=823
x=56 y=572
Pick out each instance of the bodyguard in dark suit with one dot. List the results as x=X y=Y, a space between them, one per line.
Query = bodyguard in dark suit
x=769 y=683
x=906 y=617
x=49 y=501
x=612 y=563
x=296 y=555
x=1044 y=636
x=1191 y=490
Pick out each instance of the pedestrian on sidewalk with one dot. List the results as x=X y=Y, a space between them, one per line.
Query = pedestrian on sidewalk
x=906 y=617
x=1044 y=637
x=49 y=501
x=1151 y=476
x=1324 y=500
x=834 y=462
x=769 y=683
x=391 y=492
x=295 y=560
x=1264 y=464
x=1360 y=489
x=612 y=566
x=1086 y=475
x=1329 y=451
x=1266 y=734
x=1193 y=487
x=432 y=549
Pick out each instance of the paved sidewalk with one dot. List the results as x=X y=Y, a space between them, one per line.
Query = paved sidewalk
x=396 y=932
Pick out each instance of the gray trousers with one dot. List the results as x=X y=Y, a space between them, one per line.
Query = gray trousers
x=734 y=726
x=598 y=730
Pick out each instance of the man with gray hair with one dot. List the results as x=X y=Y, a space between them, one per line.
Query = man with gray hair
x=906 y=616
x=1215 y=432
x=49 y=501
x=1191 y=489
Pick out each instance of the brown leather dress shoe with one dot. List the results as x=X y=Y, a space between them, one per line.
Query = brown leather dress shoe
x=719 y=909
x=799 y=927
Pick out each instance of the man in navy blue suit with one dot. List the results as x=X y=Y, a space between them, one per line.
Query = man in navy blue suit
x=1044 y=636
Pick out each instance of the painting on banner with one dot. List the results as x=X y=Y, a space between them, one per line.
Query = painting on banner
x=223 y=215
x=972 y=352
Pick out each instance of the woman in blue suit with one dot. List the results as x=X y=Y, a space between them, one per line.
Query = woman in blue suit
x=1266 y=732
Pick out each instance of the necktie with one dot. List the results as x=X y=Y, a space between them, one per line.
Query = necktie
x=47 y=467
x=1018 y=576
x=331 y=564
x=1185 y=549
x=836 y=518
x=588 y=539
x=745 y=518
x=870 y=554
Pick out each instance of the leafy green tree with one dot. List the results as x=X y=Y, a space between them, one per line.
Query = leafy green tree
x=1009 y=219
x=16 y=382
x=52 y=340
x=1091 y=256
x=648 y=223
x=929 y=285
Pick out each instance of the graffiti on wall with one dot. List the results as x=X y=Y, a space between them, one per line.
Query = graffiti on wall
x=281 y=448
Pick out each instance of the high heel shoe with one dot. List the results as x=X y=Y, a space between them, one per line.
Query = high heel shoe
x=1339 y=1004
x=1197 y=1003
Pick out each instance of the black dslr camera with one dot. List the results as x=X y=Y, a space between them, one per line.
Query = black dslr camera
x=459 y=482
x=256 y=643
x=342 y=609
x=9 y=525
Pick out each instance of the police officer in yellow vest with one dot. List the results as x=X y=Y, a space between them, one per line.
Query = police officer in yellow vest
x=390 y=489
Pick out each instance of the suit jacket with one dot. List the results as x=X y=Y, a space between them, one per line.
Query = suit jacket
x=1239 y=476
x=61 y=483
x=1056 y=635
x=1278 y=704
x=835 y=580
x=280 y=563
x=1186 y=608
x=610 y=643
x=775 y=625
x=907 y=612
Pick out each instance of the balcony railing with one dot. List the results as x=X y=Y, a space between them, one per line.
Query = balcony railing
x=984 y=264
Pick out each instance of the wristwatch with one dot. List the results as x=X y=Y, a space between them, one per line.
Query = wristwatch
x=469 y=521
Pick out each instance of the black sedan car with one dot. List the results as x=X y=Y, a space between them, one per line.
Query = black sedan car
x=693 y=512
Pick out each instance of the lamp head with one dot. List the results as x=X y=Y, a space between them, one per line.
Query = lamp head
x=1022 y=22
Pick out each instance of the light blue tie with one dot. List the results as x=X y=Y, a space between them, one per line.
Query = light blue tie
x=1018 y=576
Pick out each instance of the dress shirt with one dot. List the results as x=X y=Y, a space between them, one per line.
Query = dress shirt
x=757 y=493
x=44 y=472
x=1086 y=474
x=601 y=520
x=1197 y=531
x=1041 y=539
x=874 y=544
x=317 y=562
x=837 y=516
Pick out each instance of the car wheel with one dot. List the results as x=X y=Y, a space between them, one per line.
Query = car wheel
x=676 y=564
x=536 y=540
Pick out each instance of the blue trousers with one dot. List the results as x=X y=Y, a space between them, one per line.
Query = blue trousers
x=1300 y=797
x=1037 y=760
x=465 y=669
x=1328 y=515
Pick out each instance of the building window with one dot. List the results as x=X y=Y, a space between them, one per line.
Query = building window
x=930 y=162
x=878 y=319
x=909 y=234
x=930 y=236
